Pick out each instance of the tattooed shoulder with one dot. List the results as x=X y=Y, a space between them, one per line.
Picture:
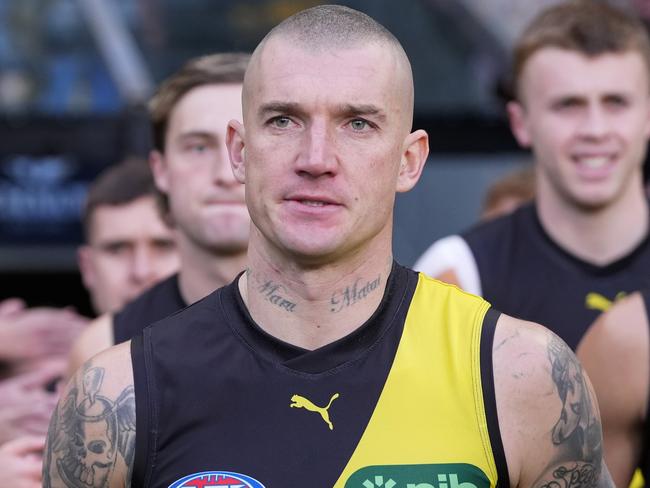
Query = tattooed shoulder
x=91 y=439
x=577 y=432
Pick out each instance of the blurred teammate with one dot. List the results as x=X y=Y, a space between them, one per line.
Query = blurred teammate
x=581 y=73
x=326 y=363
x=129 y=246
x=201 y=197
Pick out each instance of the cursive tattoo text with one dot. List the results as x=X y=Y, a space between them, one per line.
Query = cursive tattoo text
x=276 y=294
x=353 y=294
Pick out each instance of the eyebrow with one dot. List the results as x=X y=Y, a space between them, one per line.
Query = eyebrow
x=347 y=109
x=363 y=109
x=279 y=107
x=198 y=134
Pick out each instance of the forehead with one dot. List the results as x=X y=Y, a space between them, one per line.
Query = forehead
x=129 y=221
x=206 y=108
x=367 y=74
x=554 y=71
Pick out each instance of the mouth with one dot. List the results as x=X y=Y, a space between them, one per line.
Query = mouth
x=594 y=162
x=313 y=206
x=313 y=203
x=594 y=166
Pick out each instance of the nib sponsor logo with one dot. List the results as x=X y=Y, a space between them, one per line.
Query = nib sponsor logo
x=419 y=476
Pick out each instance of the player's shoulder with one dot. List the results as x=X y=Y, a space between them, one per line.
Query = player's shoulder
x=451 y=291
x=195 y=315
x=114 y=362
x=525 y=356
x=522 y=346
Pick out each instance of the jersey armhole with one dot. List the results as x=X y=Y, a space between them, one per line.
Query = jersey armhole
x=144 y=411
x=489 y=397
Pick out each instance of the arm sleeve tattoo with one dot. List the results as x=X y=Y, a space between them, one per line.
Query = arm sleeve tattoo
x=91 y=436
x=577 y=434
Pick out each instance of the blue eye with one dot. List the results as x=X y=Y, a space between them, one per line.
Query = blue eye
x=281 y=122
x=359 y=124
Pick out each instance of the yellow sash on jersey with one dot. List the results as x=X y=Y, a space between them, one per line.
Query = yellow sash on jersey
x=430 y=411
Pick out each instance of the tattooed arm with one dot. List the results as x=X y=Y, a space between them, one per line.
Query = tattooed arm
x=615 y=353
x=91 y=440
x=548 y=416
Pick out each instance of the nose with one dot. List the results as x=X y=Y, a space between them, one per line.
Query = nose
x=595 y=124
x=143 y=271
x=318 y=155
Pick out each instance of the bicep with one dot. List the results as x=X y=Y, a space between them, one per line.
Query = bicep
x=92 y=432
x=553 y=434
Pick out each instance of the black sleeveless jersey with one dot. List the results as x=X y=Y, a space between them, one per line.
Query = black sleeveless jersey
x=524 y=273
x=158 y=302
x=405 y=400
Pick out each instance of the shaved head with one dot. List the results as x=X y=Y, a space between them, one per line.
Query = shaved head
x=330 y=28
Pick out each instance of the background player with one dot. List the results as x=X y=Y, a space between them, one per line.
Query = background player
x=581 y=76
x=129 y=246
x=200 y=195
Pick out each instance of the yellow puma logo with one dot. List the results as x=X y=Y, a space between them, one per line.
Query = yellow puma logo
x=302 y=402
x=596 y=301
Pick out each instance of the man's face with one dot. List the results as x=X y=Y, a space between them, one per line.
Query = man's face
x=129 y=250
x=587 y=121
x=207 y=203
x=322 y=147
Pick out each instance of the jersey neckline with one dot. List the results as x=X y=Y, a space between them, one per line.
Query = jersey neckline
x=588 y=267
x=331 y=356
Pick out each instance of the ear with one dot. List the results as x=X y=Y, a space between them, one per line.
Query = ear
x=519 y=123
x=159 y=170
x=84 y=261
x=235 y=144
x=414 y=155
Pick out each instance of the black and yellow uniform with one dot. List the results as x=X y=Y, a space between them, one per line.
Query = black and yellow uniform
x=156 y=303
x=405 y=400
x=524 y=273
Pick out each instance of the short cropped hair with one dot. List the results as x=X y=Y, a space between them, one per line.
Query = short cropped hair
x=332 y=26
x=589 y=27
x=118 y=185
x=214 y=69
x=326 y=27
